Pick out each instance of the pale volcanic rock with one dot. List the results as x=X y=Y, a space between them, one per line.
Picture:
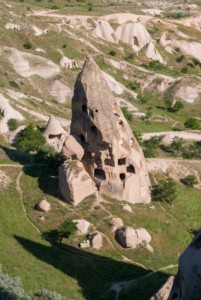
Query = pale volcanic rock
x=164 y=292
x=54 y=134
x=112 y=157
x=127 y=208
x=152 y=52
x=82 y=225
x=74 y=182
x=44 y=206
x=7 y=112
x=132 y=238
x=104 y=31
x=116 y=223
x=134 y=34
x=96 y=240
x=27 y=64
x=60 y=91
x=72 y=147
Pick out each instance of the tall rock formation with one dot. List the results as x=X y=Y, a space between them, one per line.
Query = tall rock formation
x=111 y=155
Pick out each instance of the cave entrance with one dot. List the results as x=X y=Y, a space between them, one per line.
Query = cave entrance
x=122 y=176
x=121 y=161
x=99 y=174
x=130 y=169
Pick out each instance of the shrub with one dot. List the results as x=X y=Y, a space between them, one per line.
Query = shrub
x=189 y=180
x=127 y=114
x=192 y=123
x=176 y=107
x=177 y=144
x=113 y=53
x=156 y=65
x=184 y=70
x=27 y=45
x=165 y=191
x=180 y=58
x=151 y=146
x=14 y=84
x=133 y=85
x=12 y=124
x=129 y=56
x=30 y=139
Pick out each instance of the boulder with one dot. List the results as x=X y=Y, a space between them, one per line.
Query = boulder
x=74 y=182
x=131 y=238
x=44 y=206
x=82 y=225
x=96 y=240
x=116 y=223
x=72 y=147
x=127 y=208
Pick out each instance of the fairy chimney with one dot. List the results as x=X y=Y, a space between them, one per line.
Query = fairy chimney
x=112 y=156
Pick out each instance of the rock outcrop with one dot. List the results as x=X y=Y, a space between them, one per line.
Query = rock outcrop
x=132 y=238
x=44 y=206
x=164 y=292
x=187 y=283
x=111 y=155
x=74 y=182
x=96 y=240
x=82 y=226
x=54 y=134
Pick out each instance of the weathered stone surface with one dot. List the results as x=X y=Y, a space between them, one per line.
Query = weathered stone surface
x=44 y=206
x=187 y=283
x=54 y=134
x=74 y=182
x=116 y=224
x=82 y=225
x=112 y=157
x=96 y=240
x=164 y=292
x=127 y=208
x=72 y=147
x=131 y=238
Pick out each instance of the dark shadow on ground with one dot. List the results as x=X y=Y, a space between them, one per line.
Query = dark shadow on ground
x=94 y=273
x=48 y=181
x=16 y=156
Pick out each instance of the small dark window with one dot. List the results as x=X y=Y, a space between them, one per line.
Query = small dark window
x=99 y=174
x=121 y=161
x=52 y=136
x=84 y=108
x=109 y=162
x=122 y=176
x=117 y=115
x=82 y=138
x=121 y=123
x=130 y=169
x=96 y=110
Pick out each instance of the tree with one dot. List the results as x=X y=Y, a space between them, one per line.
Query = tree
x=164 y=191
x=30 y=139
x=192 y=123
x=177 y=144
x=189 y=180
x=12 y=124
x=152 y=145
x=113 y=53
x=65 y=230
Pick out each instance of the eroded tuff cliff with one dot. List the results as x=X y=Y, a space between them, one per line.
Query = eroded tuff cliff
x=111 y=155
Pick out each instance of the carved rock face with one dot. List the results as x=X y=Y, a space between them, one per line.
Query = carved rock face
x=112 y=156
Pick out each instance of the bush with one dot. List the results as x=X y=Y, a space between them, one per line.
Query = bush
x=12 y=124
x=30 y=140
x=27 y=45
x=127 y=114
x=113 y=53
x=180 y=58
x=189 y=180
x=156 y=65
x=165 y=191
x=192 y=123
x=14 y=84
x=176 y=107
x=129 y=56
x=177 y=144
x=184 y=70
x=151 y=146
